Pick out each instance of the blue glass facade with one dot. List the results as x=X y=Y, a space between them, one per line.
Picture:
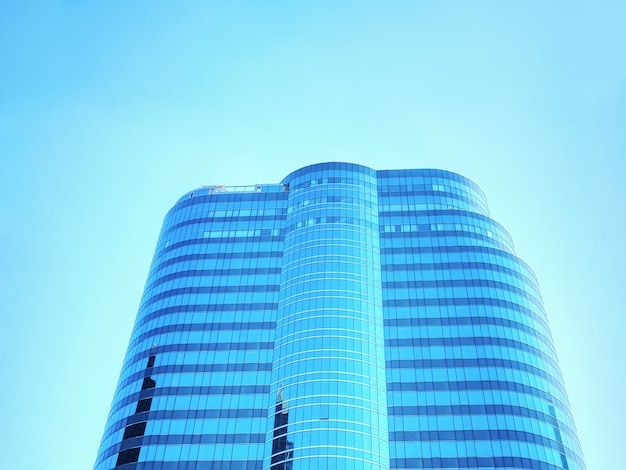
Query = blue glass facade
x=345 y=318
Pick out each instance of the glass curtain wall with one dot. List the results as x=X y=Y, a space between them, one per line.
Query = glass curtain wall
x=194 y=387
x=472 y=375
x=344 y=318
x=329 y=347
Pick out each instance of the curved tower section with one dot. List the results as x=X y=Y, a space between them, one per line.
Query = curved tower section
x=328 y=381
x=472 y=375
x=193 y=391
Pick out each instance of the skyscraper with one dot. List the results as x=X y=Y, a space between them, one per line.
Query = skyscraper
x=345 y=318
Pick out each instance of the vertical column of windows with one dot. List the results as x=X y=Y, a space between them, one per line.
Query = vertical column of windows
x=328 y=391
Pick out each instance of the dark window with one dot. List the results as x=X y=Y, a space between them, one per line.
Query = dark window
x=143 y=405
x=148 y=383
x=134 y=430
x=128 y=456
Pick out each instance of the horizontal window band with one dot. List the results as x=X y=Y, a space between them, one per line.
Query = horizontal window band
x=196 y=327
x=216 y=256
x=203 y=327
x=192 y=465
x=218 y=326
x=191 y=390
x=460 y=265
x=417 y=322
x=461 y=249
x=483 y=435
x=442 y=284
x=233 y=218
x=466 y=301
x=244 y=413
x=421 y=195
x=197 y=347
x=439 y=234
x=174 y=439
x=204 y=308
x=189 y=347
x=182 y=439
x=198 y=369
x=213 y=272
x=143 y=317
x=471 y=463
x=305 y=220
x=325 y=354
x=481 y=362
x=457 y=229
x=348 y=402
x=428 y=175
x=477 y=385
x=471 y=341
x=458 y=410
x=324 y=181
x=344 y=331
x=333 y=201
x=317 y=457
x=213 y=241
x=209 y=290
x=439 y=216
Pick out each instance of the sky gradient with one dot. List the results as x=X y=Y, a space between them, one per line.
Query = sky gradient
x=110 y=111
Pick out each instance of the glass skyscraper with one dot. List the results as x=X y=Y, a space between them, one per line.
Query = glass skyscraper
x=345 y=318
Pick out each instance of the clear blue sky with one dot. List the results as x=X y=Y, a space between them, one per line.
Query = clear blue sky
x=109 y=111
